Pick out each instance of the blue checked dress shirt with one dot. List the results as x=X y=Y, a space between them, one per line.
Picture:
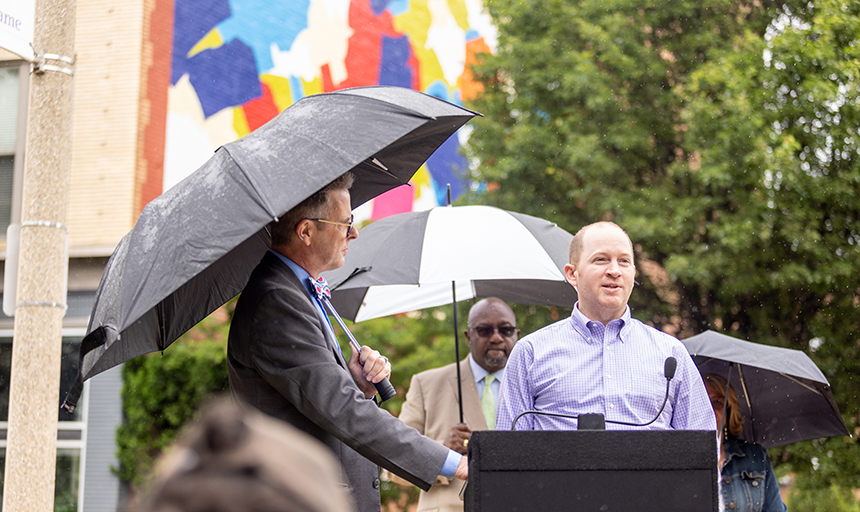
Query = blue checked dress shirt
x=577 y=366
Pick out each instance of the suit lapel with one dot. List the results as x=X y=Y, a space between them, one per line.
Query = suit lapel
x=335 y=348
x=291 y=278
x=473 y=414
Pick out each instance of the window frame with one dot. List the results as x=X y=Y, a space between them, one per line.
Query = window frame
x=68 y=426
x=20 y=140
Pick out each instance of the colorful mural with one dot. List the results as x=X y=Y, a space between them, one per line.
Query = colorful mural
x=237 y=63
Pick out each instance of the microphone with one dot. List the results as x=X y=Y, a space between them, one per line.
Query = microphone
x=669 y=367
x=595 y=421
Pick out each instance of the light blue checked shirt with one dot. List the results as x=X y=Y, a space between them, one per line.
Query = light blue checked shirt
x=577 y=366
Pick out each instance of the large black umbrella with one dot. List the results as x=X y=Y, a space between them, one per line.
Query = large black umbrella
x=194 y=247
x=422 y=259
x=784 y=397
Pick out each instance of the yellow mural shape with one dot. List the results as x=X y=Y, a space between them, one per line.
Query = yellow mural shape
x=314 y=86
x=420 y=180
x=280 y=88
x=240 y=122
x=209 y=41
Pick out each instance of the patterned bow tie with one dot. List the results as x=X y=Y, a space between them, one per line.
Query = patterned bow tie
x=320 y=288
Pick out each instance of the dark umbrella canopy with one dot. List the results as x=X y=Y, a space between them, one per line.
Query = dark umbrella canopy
x=784 y=397
x=194 y=247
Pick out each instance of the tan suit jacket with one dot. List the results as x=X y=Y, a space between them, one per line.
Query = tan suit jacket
x=431 y=409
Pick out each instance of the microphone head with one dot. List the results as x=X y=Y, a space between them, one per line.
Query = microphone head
x=669 y=367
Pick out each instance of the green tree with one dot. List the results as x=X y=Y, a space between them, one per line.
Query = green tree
x=163 y=391
x=724 y=137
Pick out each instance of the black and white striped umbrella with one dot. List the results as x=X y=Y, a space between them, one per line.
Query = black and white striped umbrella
x=409 y=261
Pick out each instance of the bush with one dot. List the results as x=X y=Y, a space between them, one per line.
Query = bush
x=162 y=391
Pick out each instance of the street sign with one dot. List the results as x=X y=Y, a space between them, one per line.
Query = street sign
x=17 y=18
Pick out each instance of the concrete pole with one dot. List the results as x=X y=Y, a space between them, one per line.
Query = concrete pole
x=31 y=449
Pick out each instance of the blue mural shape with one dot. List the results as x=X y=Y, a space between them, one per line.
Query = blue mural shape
x=446 y=166
x=378 y=6
x=259 y=23
x=224 y=77
x=394 y=62
x=193 y=20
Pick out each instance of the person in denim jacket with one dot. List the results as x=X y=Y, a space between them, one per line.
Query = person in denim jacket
x=747 y=481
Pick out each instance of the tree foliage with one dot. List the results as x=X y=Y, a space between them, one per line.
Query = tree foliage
x=163 y=391
x=723 y=136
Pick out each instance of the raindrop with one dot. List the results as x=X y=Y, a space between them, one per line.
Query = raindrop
x=815 y=343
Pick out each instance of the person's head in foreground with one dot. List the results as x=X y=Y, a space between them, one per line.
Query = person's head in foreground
x=238 y=460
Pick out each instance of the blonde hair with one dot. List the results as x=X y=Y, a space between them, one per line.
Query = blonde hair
x=716 y=386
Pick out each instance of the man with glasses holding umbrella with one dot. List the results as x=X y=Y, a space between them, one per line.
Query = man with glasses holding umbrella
x=283 y=357
x=431 y=405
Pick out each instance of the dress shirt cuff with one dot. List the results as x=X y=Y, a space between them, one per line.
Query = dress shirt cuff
x=451 y=463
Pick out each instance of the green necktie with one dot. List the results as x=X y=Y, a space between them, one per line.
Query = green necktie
x=488 y=402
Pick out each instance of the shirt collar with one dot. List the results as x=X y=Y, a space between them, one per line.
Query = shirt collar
x=733 y=449
x=301 y=273
x=580 y=322
x=479 y=373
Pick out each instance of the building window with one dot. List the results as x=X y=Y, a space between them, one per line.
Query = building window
x=67 y=488
x=70 y=433
x=13 y=117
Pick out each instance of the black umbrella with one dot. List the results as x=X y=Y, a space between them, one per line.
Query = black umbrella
x=422 y=259
x=784 y=397
x=194 y=247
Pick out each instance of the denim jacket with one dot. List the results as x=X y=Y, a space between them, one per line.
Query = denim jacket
x=747 y=481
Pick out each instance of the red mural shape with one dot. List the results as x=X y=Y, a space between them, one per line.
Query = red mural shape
x=260 y=110
x=365 y=45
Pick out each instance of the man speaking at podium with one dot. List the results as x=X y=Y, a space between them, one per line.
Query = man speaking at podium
x=600 y=360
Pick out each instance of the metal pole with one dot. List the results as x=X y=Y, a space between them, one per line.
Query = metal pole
x=31 y=450
x=456 y=336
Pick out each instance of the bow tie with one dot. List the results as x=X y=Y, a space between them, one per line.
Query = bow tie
x=320 y=288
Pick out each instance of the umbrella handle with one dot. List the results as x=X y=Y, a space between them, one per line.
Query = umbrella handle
x=385 y=389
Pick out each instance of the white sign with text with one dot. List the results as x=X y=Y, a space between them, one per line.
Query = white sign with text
x=17 y=18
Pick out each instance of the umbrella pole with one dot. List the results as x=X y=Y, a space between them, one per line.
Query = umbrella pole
x=457 y=350
x=747 y=398
x=456 y=335
x=725 y=404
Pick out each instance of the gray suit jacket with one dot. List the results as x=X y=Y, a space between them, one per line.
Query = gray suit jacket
x=283 y=362
x=431 y=408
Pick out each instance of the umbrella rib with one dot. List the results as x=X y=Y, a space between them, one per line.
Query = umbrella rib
x=746 y=397
x=379 y=167
x=744 y=386
x=807 y=386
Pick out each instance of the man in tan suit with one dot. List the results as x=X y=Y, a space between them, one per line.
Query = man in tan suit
x=431 y=402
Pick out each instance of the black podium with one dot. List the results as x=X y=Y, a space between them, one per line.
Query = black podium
x=600 y=471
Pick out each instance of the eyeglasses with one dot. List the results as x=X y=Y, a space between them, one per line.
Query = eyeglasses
x=349 y=226
x=485 y=331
